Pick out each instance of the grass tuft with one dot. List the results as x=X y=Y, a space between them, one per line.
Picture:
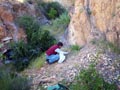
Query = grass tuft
x=38 y=62
x=75 y=48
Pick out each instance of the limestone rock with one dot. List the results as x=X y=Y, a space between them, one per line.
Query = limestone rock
x=92 y=17
x=7 y=16
x=9 y=11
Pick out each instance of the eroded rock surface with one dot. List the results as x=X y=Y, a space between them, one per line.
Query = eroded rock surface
x=9 y=11
x=95 y=19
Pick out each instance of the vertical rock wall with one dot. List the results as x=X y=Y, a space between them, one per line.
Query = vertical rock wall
x=95 y=19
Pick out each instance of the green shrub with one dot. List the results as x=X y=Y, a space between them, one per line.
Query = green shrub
x=30 y=25
x=62 y=21
x=9 y=81
x=114 y=48
x=58 y=25
x=51 y=9
x=36 y=37
x=38 y=41
x=75 y=48
x=1 y=54
x=20 y=49
x=46 y=40
x=38 y=62
x=22 y=53
x=90 y=80
x=52 y=13
x=25 y=21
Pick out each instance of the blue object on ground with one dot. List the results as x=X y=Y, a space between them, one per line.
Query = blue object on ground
x=57 y=87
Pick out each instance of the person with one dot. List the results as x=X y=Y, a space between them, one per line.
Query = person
x=54 y=54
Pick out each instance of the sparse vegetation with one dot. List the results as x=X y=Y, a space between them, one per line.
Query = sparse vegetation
x=105 y=45
x=1 y=55
x=36 y=36
x=75 y=48
x=9 y=81
x=58 y=25
x=63 y=21
x=38 y=41
x=114 y=48
x=90 y=79
x=30 y=53
x=51 y=10
x=38 y=62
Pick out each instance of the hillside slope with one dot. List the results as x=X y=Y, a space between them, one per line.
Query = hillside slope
x=75 y=62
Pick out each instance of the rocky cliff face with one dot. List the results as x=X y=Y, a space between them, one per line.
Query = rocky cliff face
x=95 y=19
x=9 y=11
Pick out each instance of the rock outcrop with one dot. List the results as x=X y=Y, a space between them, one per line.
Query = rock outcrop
x=9 y=11
x=95 y=19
